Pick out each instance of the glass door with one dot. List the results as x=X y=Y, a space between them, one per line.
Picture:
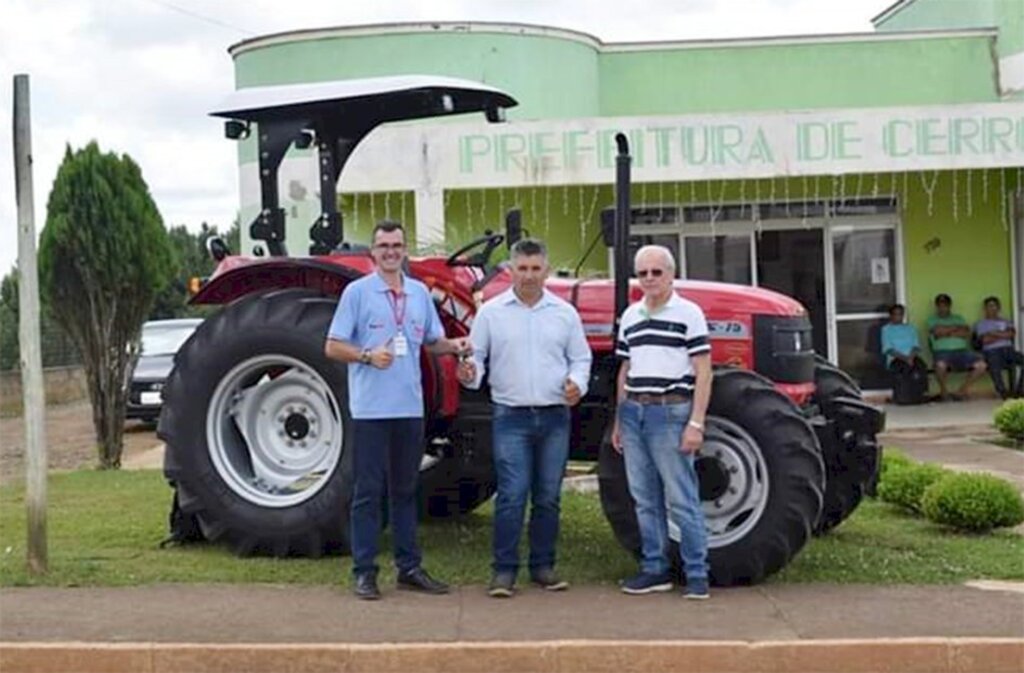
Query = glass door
x=865 y=272
x=792 y=261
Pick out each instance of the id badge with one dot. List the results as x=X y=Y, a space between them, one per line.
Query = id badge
x=401 y=346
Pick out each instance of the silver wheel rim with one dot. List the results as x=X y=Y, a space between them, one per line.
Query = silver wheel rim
x=734 y=459
x=274 y=431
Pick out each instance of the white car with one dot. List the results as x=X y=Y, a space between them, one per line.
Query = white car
x=161 y=339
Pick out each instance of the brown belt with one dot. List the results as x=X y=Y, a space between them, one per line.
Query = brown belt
x=653 y=398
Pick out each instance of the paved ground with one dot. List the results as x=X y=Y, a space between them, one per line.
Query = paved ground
x=974 y=412
x=237 y=614
x=958 y=435
x=70 y=439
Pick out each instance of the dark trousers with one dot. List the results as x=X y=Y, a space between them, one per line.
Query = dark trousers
x=1009 y=360
x=387 y=455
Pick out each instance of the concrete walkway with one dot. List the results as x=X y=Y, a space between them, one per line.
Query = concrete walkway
x=792 y=628
x=973 y=412
x=268 y=614
x=957 y=435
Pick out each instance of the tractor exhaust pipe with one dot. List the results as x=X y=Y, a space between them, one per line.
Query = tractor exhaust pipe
x=622 y=222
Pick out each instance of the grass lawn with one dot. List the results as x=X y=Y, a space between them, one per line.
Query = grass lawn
x=104 y=528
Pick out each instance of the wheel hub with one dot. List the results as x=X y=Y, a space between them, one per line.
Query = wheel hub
x=733 y=482
x=274 y=430
x=297 y=426
x=714 y=478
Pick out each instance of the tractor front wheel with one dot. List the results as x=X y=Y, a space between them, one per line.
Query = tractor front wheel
x=761 y=481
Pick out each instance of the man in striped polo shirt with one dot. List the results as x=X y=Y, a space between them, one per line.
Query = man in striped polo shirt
x=664 y=385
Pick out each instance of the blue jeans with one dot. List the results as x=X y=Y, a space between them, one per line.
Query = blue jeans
x=387 y=451
x=659 y=474
x=531 y=447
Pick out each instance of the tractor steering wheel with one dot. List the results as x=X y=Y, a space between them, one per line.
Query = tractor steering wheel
x=489 y=242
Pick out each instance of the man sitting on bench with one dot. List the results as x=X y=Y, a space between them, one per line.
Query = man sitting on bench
x=996 y=335
x=902 y=350
x=950 y=335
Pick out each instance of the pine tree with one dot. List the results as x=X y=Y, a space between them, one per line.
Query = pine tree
x=104 y=255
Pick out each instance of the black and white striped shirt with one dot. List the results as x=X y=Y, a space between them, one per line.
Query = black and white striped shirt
x=659 y=346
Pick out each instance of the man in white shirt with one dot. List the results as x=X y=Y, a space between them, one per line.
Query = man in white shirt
x=664 y=386
x=532 y=344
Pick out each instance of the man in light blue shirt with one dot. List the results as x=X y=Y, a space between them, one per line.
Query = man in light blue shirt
x=381 y=323
x=902 y=350
x=533 y=346
x=899 y=340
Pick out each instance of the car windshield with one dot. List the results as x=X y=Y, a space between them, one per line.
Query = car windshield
x=165 y=340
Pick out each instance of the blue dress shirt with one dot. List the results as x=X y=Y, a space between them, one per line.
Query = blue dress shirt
x=529 y=350
x=367 y=317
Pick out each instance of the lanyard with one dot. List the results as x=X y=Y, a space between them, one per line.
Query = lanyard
x=397 y=302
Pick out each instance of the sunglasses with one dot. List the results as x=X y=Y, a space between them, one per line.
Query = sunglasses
x=653 y=273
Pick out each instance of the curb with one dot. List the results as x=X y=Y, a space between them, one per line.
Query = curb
x=914 y=655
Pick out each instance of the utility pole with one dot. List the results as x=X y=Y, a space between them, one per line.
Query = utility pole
x=28 y=334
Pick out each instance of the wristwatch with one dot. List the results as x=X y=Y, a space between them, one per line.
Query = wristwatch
x=364 y=357
x=695 y=424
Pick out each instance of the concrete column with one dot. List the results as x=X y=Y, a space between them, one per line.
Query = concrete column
x=430 y=218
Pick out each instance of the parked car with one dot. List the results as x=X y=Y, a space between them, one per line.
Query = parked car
x=161 y=339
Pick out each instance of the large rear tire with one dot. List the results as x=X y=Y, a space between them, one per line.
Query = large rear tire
x=761 y=481
x=258 y=433
x=256 y=425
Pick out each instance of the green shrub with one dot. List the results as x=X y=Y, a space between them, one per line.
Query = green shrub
x=904 y=485
x=1009 y=419
x=893 y=458
x=975 y=502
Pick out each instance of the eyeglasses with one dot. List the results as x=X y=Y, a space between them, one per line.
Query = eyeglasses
x=384 y=247
x=654 y=273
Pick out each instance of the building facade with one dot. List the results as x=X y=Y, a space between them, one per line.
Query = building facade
x=849 y=171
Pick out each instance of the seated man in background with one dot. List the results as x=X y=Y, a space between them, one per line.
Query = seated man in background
x=996 y=335
x=950 y=336
x=902 y=350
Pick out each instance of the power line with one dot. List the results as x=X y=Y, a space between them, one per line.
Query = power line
x=200 y=17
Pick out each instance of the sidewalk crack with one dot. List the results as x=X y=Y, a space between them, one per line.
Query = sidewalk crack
x=780 y=613
x=458 y=617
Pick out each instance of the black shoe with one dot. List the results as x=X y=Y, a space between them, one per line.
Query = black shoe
x=546 y=579
x=503 y=585
x=365 y=587
x=417 y=579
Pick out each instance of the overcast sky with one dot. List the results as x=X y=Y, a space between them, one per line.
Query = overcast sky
x=139 y=76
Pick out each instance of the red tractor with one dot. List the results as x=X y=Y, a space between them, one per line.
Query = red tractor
x=255 y=417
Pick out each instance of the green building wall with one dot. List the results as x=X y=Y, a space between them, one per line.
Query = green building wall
x=560 y=75
x=557 y=74
x=552 y=77
x=1005 y=15
x=793 y=76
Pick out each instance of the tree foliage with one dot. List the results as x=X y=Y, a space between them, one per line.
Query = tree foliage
x=191 y=260
x=104 y=255
x=9 y=321
x=172 y=302
x=57 y=348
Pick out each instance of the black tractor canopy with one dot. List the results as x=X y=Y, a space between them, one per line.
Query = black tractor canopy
x=336 y=116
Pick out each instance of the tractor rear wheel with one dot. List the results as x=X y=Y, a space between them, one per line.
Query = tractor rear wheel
x=761 y=478
x=258 y=432
x=255 y=422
